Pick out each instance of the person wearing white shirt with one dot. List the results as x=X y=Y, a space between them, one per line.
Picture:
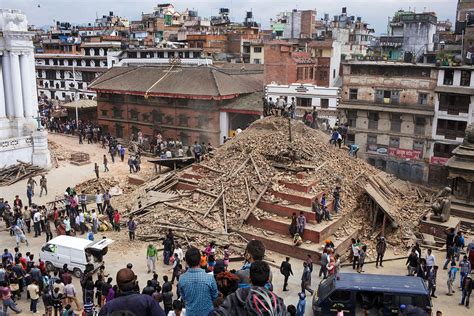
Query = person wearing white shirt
x=430 y=260
x=169 y=154
x=82 y=222
x=180 y=152
x=179 y=252
x=37 y=223
x=99 y=200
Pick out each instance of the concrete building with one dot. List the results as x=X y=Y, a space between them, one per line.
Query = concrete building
x=296 y=24
x=309 y=73
x=410 y=35
x=20 y=134
x=454 y=110
x=156 y=55
x=66 y=76
x=186 y=103
x=389 y=107
x=354 y=34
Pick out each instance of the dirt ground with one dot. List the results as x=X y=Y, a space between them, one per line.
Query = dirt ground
x=123 y=251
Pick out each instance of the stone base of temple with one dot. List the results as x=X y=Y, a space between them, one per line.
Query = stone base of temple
x=30 y=149
x=41 y=154
x=438 y=229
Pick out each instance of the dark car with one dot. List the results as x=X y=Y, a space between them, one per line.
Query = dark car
x=373 y=293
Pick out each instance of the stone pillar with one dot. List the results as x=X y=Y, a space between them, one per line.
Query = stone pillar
x=26 y=77
x=41 y=155
x=7 y=84
x=34 y=89
x=2 y=95
x=15 y=78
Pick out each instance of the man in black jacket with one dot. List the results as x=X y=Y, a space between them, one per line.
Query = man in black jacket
x=285 y=269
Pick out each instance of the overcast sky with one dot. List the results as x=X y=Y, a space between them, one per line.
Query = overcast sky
x=375 y=12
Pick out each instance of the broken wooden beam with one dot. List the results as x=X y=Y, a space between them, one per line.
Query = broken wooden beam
x=254 y=205
x=213 y=204
x=256 y=169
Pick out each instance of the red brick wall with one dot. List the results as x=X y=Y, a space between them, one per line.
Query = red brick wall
x=308 y=18
x=202 y=117
x=279 y=66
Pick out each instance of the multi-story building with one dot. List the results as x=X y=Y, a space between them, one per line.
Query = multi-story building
x=410 y=35
x=66 y=76
x=309 y=73
x=354 y=34
x=156 y=55
x=257 y=52
x=389 y=107
x=187 y=103
x=294 y=25
x=454 y=110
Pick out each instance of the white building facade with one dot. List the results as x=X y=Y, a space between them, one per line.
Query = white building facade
x=19 y=137
x=308 y=96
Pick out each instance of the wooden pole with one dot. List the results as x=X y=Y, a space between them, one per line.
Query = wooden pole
x=254 y=205
x=242 y=166
x=248 y=191
x=214 y=203
x=256 y=170
x=225 y=212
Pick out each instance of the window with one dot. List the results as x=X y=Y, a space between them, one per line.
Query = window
x=88 y=76
x=324 y=103
x=394 y=142
x=351 y=118
x=448 y=77
x=395 y=122
x=420 y=123
x=454 y=103
x=418 y=145
x=423 y=98
x=351 y=138
x=104 y=112
x=323 y=75
x=257 y=49
x=451 y=129
x=340 y=296
x=387 y=96
x=373 y=120
x=353 y=94
x=305 y=102
x=256 y=61
x=443 y=150
x=465 y=78
x=299 y=73
x=63 y=84
x=371 y=139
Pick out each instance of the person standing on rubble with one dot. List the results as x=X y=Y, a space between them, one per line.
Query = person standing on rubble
x=337 y=196
x=197 y=149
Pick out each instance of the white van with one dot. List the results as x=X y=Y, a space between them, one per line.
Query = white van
x=75 y=252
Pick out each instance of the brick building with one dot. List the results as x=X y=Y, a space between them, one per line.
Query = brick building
x=390 y=108
x=186 y=103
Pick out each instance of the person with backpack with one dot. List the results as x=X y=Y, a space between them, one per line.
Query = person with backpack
x=254 y=299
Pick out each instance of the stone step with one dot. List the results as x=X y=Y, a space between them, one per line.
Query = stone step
x=287 y=210
x=284 y=245
x=298 y=186
x=315 y=232
x=462 y=210
x=304 y=199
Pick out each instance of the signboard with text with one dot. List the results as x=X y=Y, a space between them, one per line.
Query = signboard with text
x=405 y=153
x=438 y=160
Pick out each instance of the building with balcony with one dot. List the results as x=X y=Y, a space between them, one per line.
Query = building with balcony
x=389 y=107
x=454 y=110
x=66 y=76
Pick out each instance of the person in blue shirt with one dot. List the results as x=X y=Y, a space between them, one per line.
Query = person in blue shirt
x=301 y=307
x=197 y=288
x=353 y=149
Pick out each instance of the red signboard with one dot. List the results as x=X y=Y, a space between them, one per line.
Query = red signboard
x=404 y=153
x=438 y=160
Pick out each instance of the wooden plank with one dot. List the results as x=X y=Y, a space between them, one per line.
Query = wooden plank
x=256 y=169
x=211 y=169
x=206 y=193
x=213 y=204
x=248 y=191
x=254 y=205
x=225 y=212
x=181 y=208
x=240 y=168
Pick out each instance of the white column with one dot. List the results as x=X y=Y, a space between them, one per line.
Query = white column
x=7 y=84
x=34 y=89
x=25 y=73
x=2 y=95
x=16 y=85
